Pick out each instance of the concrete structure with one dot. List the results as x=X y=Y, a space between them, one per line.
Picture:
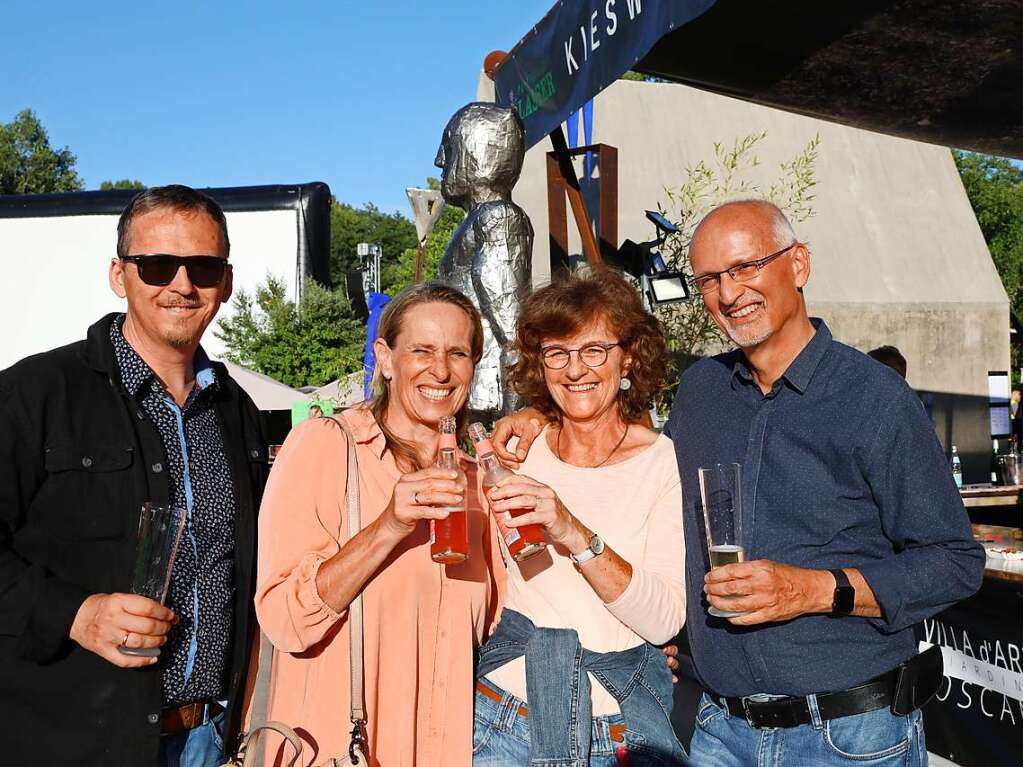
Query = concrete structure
x=898 y=257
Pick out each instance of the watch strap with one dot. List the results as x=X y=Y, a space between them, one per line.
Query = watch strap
x=593 y=548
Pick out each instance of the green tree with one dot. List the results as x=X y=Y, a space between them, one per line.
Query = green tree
x=264 y=333
x=28 y=164
x=124 y=183
x=349 y=226
x=995 y=188
x=688 y=326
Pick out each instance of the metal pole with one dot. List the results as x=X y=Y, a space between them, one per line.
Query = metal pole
x=575 y=198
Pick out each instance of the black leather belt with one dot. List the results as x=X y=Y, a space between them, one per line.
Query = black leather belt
x=792 y=712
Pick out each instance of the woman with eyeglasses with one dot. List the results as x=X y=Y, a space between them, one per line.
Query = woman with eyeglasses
x=572 y=672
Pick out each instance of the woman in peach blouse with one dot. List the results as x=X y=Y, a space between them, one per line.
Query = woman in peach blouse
x=423 y=620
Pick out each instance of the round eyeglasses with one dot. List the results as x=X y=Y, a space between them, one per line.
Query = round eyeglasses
x=592 y=355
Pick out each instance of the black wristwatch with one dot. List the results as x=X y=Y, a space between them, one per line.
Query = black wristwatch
x=845 y=594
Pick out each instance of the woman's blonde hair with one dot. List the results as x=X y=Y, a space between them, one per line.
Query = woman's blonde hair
x=391 y=321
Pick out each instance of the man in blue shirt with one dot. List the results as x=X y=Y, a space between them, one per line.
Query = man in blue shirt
x=853 y=528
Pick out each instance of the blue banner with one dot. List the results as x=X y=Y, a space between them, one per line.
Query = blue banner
x=578 y=49
x=376 y=303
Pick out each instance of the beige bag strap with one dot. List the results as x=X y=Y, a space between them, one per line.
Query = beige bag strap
x=252 y=754
x=354 y=512
x=261 y=691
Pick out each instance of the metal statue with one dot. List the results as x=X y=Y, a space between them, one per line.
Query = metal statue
x=489 y=257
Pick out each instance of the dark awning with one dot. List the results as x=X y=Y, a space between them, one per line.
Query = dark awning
x=940 y=71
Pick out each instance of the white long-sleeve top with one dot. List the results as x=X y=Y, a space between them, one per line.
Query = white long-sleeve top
x=636 y=507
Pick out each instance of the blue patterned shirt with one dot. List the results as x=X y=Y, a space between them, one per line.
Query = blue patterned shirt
x=201 y=593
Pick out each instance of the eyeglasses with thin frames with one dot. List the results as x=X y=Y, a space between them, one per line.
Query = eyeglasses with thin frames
x=744 y=272
x=592 y=355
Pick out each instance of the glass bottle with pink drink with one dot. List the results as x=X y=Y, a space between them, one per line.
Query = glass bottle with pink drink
x=522 y=542
x=449 y=537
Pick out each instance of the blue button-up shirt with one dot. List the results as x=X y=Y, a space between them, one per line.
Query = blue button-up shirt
x=841 y=468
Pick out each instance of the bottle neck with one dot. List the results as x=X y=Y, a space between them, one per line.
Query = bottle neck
x=488 y=461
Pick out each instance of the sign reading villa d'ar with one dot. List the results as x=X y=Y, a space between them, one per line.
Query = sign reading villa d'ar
x=976 y=718
x=578 y=49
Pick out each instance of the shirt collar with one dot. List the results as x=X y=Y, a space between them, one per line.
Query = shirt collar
x=135 y=373
x=802 y=368
x=365 y=428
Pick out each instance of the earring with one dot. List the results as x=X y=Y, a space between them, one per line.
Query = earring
x=625 y=384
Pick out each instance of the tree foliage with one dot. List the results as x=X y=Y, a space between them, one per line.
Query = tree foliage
x=688 y=326
x=28 y=164
x=264 y=334
x=349 y=226
x=995 y=188
x=124 y=183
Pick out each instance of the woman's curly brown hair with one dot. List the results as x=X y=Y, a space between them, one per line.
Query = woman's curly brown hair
x=569 y=304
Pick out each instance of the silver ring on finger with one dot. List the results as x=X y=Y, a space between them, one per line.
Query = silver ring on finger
x=124 y=642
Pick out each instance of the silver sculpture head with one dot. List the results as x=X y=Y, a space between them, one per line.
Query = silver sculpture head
x=481 y=154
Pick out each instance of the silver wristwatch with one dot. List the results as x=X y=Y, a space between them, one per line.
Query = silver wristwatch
x=595 y=548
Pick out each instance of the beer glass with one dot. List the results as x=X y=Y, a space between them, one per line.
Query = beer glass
x=721 y=492
x=160 y=529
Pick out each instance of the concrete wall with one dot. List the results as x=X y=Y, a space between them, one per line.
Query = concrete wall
x=898 y=257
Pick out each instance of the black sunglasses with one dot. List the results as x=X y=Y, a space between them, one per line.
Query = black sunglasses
x=159 y=269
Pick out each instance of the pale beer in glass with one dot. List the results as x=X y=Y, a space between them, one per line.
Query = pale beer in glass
x=721 y=494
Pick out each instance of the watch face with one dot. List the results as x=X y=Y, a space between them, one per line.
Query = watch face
x=596 y=544
x=845 y=599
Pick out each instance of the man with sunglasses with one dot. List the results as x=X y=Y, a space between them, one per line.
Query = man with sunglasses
x=853 y=529
x=88 y=433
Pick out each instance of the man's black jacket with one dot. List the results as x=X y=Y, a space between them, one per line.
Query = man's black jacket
x=78 y=458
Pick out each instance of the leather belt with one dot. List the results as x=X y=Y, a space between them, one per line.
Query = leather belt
x=792 y=712
x=617 y=731
x=175 y=720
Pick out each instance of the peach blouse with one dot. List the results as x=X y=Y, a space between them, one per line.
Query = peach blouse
x=423 y=620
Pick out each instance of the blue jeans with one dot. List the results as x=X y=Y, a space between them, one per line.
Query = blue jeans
x=500 y=735
x=874 y=739
x=202 y=746
x=558 y=672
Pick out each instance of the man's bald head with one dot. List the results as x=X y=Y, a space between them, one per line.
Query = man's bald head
x=754 y=215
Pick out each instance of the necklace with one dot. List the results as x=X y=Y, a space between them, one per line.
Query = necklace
x=557 y=448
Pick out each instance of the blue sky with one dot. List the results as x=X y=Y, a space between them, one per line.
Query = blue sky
x=222 y=94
